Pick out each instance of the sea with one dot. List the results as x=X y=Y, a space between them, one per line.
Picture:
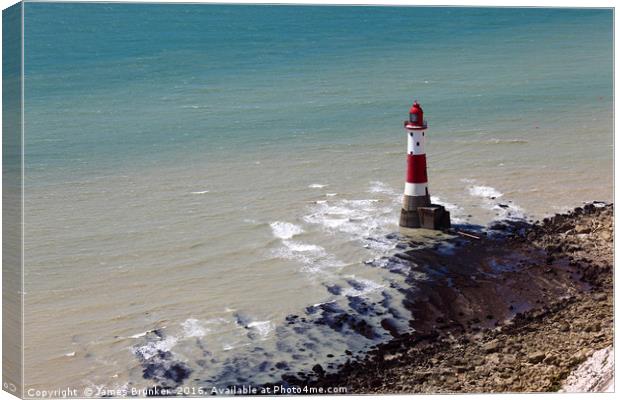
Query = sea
x=199 y=177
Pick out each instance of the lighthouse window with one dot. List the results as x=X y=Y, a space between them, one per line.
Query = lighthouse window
x=413 y=118
x=417 y=143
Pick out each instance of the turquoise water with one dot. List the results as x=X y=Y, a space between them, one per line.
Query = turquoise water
x=207 y=170
x=110 y=84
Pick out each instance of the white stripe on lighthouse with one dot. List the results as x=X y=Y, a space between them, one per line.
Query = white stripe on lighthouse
x=415 y=143
x=415 y=189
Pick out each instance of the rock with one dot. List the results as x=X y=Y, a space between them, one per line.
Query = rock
x=583 y=229
x=492 y=359
x=389 y=357
x=318 y=369
x=536 y=357
x=593 y=327
x=491 y=347
x=462 y=368
x=578 y=357
x=550 y=359
x=564 y=327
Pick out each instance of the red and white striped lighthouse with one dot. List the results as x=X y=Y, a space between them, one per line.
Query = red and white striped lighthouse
x=417 y=209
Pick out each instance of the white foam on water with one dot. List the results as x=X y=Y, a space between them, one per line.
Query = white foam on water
x=314 y=258
x=195 y=107
x=317 y=186
x=303 y=247
x=153 y=348
x=380 y=187
x=368 y=286
x=511 y=212
x=193 y=328
x=484 y=191
x=201 y=192
x=331 y=194
x=71 y=354
x=505 y=141
x=263 y=328
x=505 y=211
x=285 y=230
x=357 y=219
x=141 y=334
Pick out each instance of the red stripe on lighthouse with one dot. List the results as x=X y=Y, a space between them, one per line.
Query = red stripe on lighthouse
x=416 y=168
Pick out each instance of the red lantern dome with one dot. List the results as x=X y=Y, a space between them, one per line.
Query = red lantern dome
x=416 y=120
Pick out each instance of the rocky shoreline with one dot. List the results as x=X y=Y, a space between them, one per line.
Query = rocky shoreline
x=516 y=311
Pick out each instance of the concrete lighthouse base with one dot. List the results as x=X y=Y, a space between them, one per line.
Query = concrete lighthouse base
x=432 y=216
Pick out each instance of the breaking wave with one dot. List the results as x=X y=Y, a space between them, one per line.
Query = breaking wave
x=285 y=230
x=484 y=191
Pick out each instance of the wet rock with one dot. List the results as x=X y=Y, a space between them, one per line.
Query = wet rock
x=391 y=326
x=359 y=305
x=281 y=365
x=318 y=369
x=334 y=289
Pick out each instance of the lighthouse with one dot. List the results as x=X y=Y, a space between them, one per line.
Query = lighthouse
x=417 y=211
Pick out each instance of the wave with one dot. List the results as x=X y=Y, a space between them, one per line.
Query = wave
x=312 y=257
x=509 y=212
x=304 y=248
x=366 y=220
x=193 y=328
x=317 y=186
x=262 y=328
x=380 y=187
x=153 y=348
x=360 y=286
x=504 y=211
x=285 y=230
x=505 y=141
x=484 y=191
